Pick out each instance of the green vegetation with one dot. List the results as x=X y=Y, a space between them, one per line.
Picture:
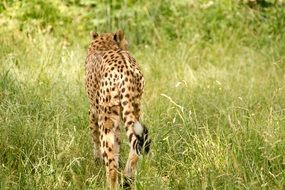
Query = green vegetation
x=214 y=98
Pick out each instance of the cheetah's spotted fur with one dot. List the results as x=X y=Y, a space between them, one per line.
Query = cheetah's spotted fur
x=114 y=84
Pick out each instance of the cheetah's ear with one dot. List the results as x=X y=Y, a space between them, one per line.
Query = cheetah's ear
x=119 y=36
x=94 y=35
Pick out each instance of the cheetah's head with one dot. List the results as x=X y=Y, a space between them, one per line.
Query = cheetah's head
x=110 y=40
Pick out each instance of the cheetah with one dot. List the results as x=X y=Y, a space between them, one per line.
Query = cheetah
x=114 y=85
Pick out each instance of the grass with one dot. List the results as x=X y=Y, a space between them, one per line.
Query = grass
x=214 y=97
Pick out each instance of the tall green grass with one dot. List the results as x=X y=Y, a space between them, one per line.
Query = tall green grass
x=214 y=97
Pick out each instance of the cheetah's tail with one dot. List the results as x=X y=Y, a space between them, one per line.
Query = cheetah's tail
x=144 y=141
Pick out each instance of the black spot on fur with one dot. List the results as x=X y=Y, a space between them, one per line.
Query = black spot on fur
x=125 y=103
x=130 y=137
x=115 y=112
x=130 y=122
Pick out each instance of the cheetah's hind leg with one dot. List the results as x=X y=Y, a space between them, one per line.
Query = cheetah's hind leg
x=94 y=127
x=109 y=146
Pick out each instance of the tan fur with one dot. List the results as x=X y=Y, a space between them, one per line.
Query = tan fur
x=114 y=84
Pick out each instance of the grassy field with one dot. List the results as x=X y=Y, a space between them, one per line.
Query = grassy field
x=214 y=100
